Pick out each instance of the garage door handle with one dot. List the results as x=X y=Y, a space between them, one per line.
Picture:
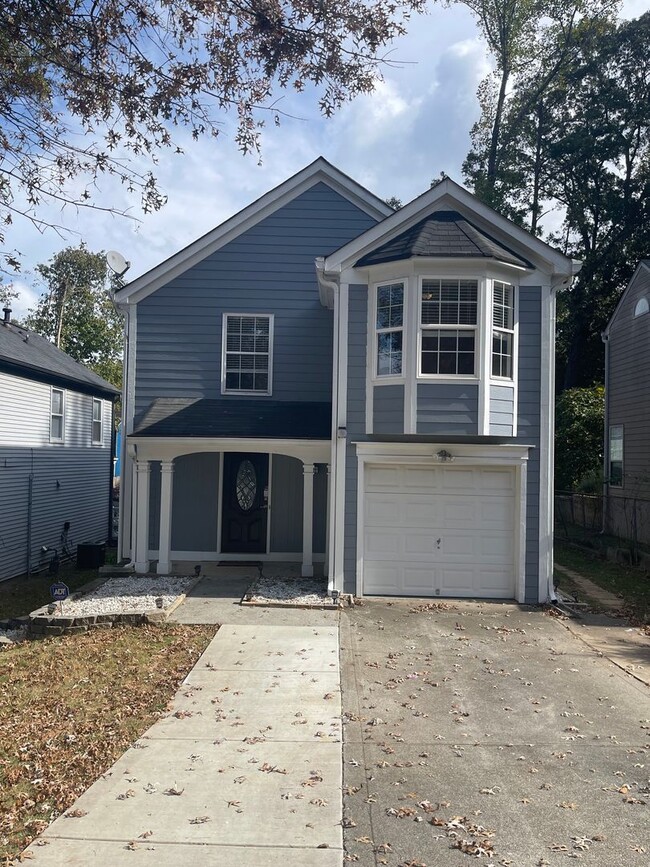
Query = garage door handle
x=438 y=541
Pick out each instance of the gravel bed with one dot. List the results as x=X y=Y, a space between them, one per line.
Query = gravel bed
x=290 y=591
x=127 y=594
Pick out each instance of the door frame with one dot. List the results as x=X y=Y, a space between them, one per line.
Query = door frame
x=426 y=454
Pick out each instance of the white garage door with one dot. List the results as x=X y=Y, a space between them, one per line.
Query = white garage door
x=443 y=530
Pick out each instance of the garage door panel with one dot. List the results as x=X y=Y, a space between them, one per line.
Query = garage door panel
x=439 y=531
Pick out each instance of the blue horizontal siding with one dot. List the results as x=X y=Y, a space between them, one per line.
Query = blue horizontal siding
x=267 y=269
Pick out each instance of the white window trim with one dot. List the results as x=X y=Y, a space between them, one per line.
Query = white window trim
x=389 y=378
x=614 y=427
x=60 y=415
x=100 y=440
x=480 y=319
x=514 y=331
x=224 y=326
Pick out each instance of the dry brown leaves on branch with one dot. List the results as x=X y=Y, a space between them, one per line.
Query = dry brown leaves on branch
x=70 y=706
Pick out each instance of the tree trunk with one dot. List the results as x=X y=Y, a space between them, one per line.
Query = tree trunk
x=496 y=128
x=63 y=291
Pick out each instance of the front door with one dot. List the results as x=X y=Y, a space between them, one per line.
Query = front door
x=245 y=480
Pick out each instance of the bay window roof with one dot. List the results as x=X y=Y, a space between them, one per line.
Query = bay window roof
x=442 y=234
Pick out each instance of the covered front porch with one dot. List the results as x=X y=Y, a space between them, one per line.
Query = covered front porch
x=220 y=500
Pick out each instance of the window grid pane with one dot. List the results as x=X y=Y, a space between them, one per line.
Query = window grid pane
x=448 y=351
x=449 y=302
x=616 y=456
x=503 y=306
x=502 y=354
x=247 y=353
x=390 y=306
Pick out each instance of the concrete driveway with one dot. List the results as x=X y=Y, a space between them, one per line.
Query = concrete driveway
x=485 y=729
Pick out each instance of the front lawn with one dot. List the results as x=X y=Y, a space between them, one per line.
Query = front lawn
x=71 y=705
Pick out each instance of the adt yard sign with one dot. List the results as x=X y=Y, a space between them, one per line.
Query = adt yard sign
x=59 y=591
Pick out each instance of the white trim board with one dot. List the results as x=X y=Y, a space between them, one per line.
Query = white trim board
x=318 y=171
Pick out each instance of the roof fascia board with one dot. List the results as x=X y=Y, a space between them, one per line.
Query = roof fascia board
x=318 y=171
x=642 y=266
x=450 y=194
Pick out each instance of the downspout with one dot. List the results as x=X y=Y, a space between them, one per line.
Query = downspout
x=111 y=474
x=30 y=502
x=605 y=338
x=121 y=529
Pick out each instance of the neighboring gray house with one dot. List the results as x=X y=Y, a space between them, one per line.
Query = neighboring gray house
x=56 y=455
x=370 y=392
x=627 y=412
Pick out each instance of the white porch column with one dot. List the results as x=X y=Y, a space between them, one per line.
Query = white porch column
x=165 y=544
x=141 y=541
x=307 y=520
x=326 y=567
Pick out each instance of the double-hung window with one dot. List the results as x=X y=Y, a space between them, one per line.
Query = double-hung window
x=448 y=323
x=97 y=432
x=503 y=325
x=57 y=415
x=247 y=351
x=389 y=326
x=616 y=456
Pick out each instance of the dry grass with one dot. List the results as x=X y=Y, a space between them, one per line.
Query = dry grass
x=70 y=706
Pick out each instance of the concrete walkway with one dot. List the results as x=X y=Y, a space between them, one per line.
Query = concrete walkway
x=245 y=770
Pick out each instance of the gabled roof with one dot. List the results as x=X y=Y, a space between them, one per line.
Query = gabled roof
x=29 y=355
x=320 y=171
x=642 y=268
x=446 y=234
x=266 y=419
x=447 y=195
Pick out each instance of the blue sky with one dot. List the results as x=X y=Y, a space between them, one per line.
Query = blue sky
x=395 y=141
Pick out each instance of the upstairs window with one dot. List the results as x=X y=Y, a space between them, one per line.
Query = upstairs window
x=57 y=408
x=448 y=320
x=389 y=327
x=503 y=333
x=97 y=432
x=247 y=348
x=616 y=456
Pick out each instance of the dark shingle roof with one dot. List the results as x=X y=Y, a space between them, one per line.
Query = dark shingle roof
x=443 y=233
x=233 y=417
x=28 y=354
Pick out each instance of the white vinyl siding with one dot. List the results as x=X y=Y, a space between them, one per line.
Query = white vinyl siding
x=247 y=353
x=57 y=415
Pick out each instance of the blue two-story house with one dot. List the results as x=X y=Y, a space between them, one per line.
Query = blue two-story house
x=363 y=391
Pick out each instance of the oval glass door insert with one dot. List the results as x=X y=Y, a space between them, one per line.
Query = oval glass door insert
x=246 y=485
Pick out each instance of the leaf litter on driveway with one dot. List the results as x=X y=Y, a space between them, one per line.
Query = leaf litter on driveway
x=424 y=669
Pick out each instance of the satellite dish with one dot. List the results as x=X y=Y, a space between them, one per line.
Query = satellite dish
x=117 y=263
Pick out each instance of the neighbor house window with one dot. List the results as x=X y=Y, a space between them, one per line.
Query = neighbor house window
x=503 y=334
x=57 y=408
x=97 y=421
x=616 y=456
x=389 y=325
x=448 y=319
x=247 y=347
x=642 y=306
